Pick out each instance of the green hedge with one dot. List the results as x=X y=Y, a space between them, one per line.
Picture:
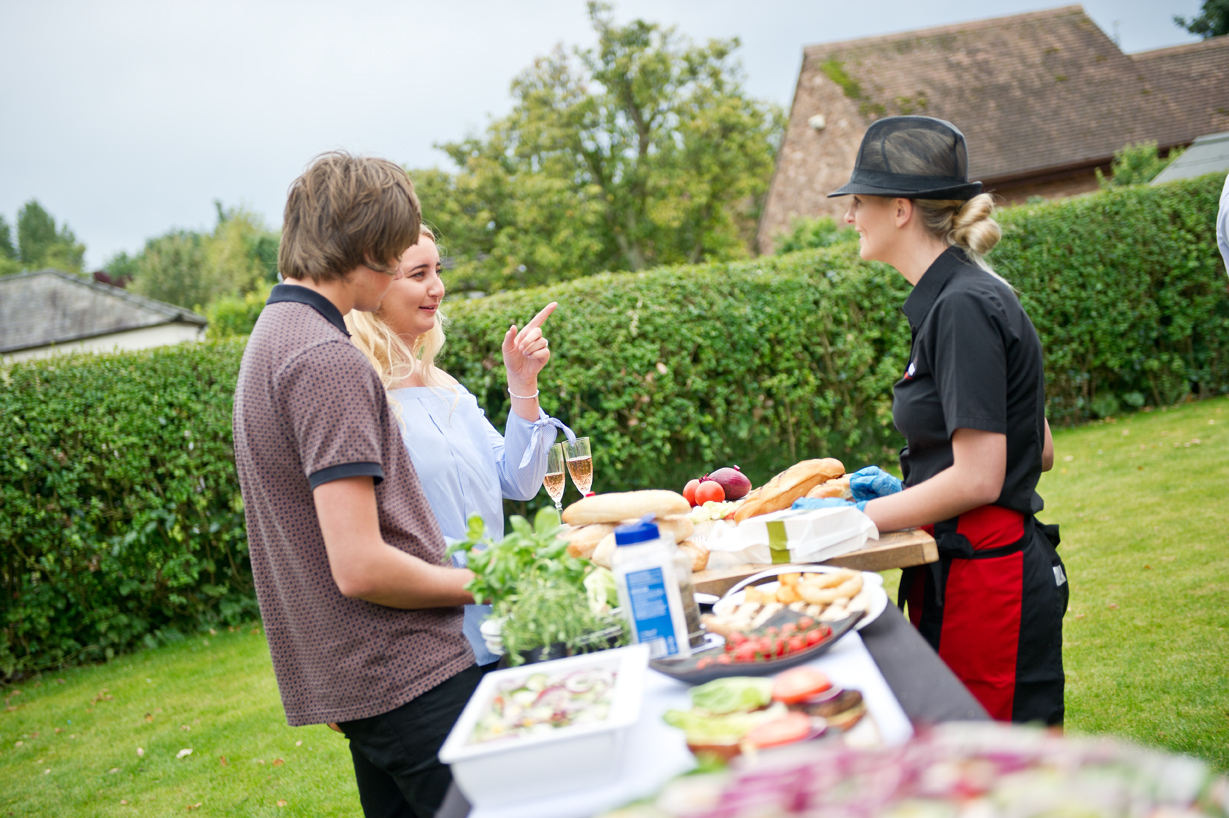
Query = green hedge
x=677 y=371
x=120 y=514
x=122 y=523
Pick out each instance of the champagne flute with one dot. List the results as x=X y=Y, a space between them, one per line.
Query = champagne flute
x=554 y=480
x=580 y=463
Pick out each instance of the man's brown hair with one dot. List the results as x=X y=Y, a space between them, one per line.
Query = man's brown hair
x=344 y=212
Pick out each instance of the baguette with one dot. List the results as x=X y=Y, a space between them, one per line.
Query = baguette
x=626 y=505
x=781 y=491
x=837 y=487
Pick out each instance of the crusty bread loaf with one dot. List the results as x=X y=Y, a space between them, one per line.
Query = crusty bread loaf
x=582 y=540
x=838 y=487
x=679 y=528
x=781 y=491
x=626 y=505
x=697 y=552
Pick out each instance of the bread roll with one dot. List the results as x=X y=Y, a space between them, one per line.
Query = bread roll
x=697 y=552
x=582 y=540
x=781 y=491
x=627 y=505
x=603 y=554
x=838 y=487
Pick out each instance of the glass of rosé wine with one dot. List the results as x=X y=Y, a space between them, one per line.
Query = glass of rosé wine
x=555 y=479
x=580 y=463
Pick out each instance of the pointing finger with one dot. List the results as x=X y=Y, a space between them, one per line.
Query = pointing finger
x=539 y=319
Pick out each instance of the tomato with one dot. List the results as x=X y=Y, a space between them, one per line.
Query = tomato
x=779 y=646
x=689 y=491
x=770 y=631
x=745 y=652
x=703 y=663
x=814 y=638
x=764 y=645
x=805 y=623
x=799 y=684
x=797 y=643
x=724 y=659
x=736 y=638
x=709 y=490
x=788 y=628
x=788 y=729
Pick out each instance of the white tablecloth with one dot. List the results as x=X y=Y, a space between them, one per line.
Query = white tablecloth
x=654 y=752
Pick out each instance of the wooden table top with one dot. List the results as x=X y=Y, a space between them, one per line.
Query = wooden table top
x=895 y=549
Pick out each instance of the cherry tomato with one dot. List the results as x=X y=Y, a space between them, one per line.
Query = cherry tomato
x=703 y=663
x=709 y=490
x=797 y=643
x=770 y=631
x=764 y=646
x=724 y=659
x=814 y=638
x=780 y=646
x=788 y=628
x=745 y=652
x=805 y=623
x=689 y=491
x=736 y=638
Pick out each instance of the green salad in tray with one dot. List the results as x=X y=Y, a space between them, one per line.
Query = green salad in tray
x=551 y=603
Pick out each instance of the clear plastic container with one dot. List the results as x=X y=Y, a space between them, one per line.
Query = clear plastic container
x=651 y=575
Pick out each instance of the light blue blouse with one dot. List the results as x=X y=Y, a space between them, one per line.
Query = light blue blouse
x=466 y=467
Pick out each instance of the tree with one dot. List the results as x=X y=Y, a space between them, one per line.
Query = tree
x=1136 y=164
x=40 y=243
x=193 y=269
x=642 y=151
x=1213 y=19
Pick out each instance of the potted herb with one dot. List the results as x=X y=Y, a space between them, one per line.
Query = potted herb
x=539 y=592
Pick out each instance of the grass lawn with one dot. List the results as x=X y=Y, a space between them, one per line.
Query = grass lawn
x=1144 y=506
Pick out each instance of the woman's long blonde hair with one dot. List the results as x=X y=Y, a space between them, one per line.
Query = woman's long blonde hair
x=392 y=357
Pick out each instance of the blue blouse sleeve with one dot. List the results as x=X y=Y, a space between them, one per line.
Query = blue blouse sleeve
x=521 y=455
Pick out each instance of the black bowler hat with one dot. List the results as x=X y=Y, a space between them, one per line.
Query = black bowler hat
x=912 y=157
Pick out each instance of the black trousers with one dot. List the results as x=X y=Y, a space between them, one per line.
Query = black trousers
x=396 y=754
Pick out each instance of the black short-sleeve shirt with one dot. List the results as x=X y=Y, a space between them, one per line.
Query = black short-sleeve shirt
x=976 y=363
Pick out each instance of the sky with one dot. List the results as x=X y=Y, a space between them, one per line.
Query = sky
x=129 y=118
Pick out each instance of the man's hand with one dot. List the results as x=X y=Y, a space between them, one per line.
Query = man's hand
x=366 y=567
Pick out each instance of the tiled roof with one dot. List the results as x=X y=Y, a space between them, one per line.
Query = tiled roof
x=1031 y=92
x=1195 y=77
x=52 y=307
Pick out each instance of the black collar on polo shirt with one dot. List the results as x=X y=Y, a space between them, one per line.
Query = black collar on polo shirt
x=919 y=302
x=313 y=299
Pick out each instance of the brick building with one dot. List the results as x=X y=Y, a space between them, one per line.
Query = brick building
x=1044 y=99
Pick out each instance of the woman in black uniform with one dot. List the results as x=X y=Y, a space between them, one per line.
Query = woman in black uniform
x=971 y=405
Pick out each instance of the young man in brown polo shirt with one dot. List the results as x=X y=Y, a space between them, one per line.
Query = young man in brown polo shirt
x=362 y=615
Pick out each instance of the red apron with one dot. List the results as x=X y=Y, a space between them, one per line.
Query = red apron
x=992 y=607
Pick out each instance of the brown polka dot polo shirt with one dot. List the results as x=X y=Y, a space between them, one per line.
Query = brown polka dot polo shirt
x=309 y=409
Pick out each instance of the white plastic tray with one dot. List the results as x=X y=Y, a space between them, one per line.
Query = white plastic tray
x=570 y=758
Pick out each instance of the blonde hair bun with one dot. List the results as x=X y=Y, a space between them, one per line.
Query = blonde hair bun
x=972 y=226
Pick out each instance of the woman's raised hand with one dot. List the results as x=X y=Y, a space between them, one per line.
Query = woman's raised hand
x=526 y=352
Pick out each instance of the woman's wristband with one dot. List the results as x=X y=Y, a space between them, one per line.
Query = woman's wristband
x=524 y=397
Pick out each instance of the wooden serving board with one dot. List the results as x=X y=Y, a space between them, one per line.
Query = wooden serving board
x=895 y=549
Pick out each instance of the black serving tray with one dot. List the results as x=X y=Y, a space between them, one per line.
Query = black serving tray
x=685 y=669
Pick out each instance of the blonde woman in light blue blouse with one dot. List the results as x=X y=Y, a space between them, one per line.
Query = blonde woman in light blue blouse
x=465 y=465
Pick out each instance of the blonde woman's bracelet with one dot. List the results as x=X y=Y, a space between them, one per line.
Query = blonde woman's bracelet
x=525 y=397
